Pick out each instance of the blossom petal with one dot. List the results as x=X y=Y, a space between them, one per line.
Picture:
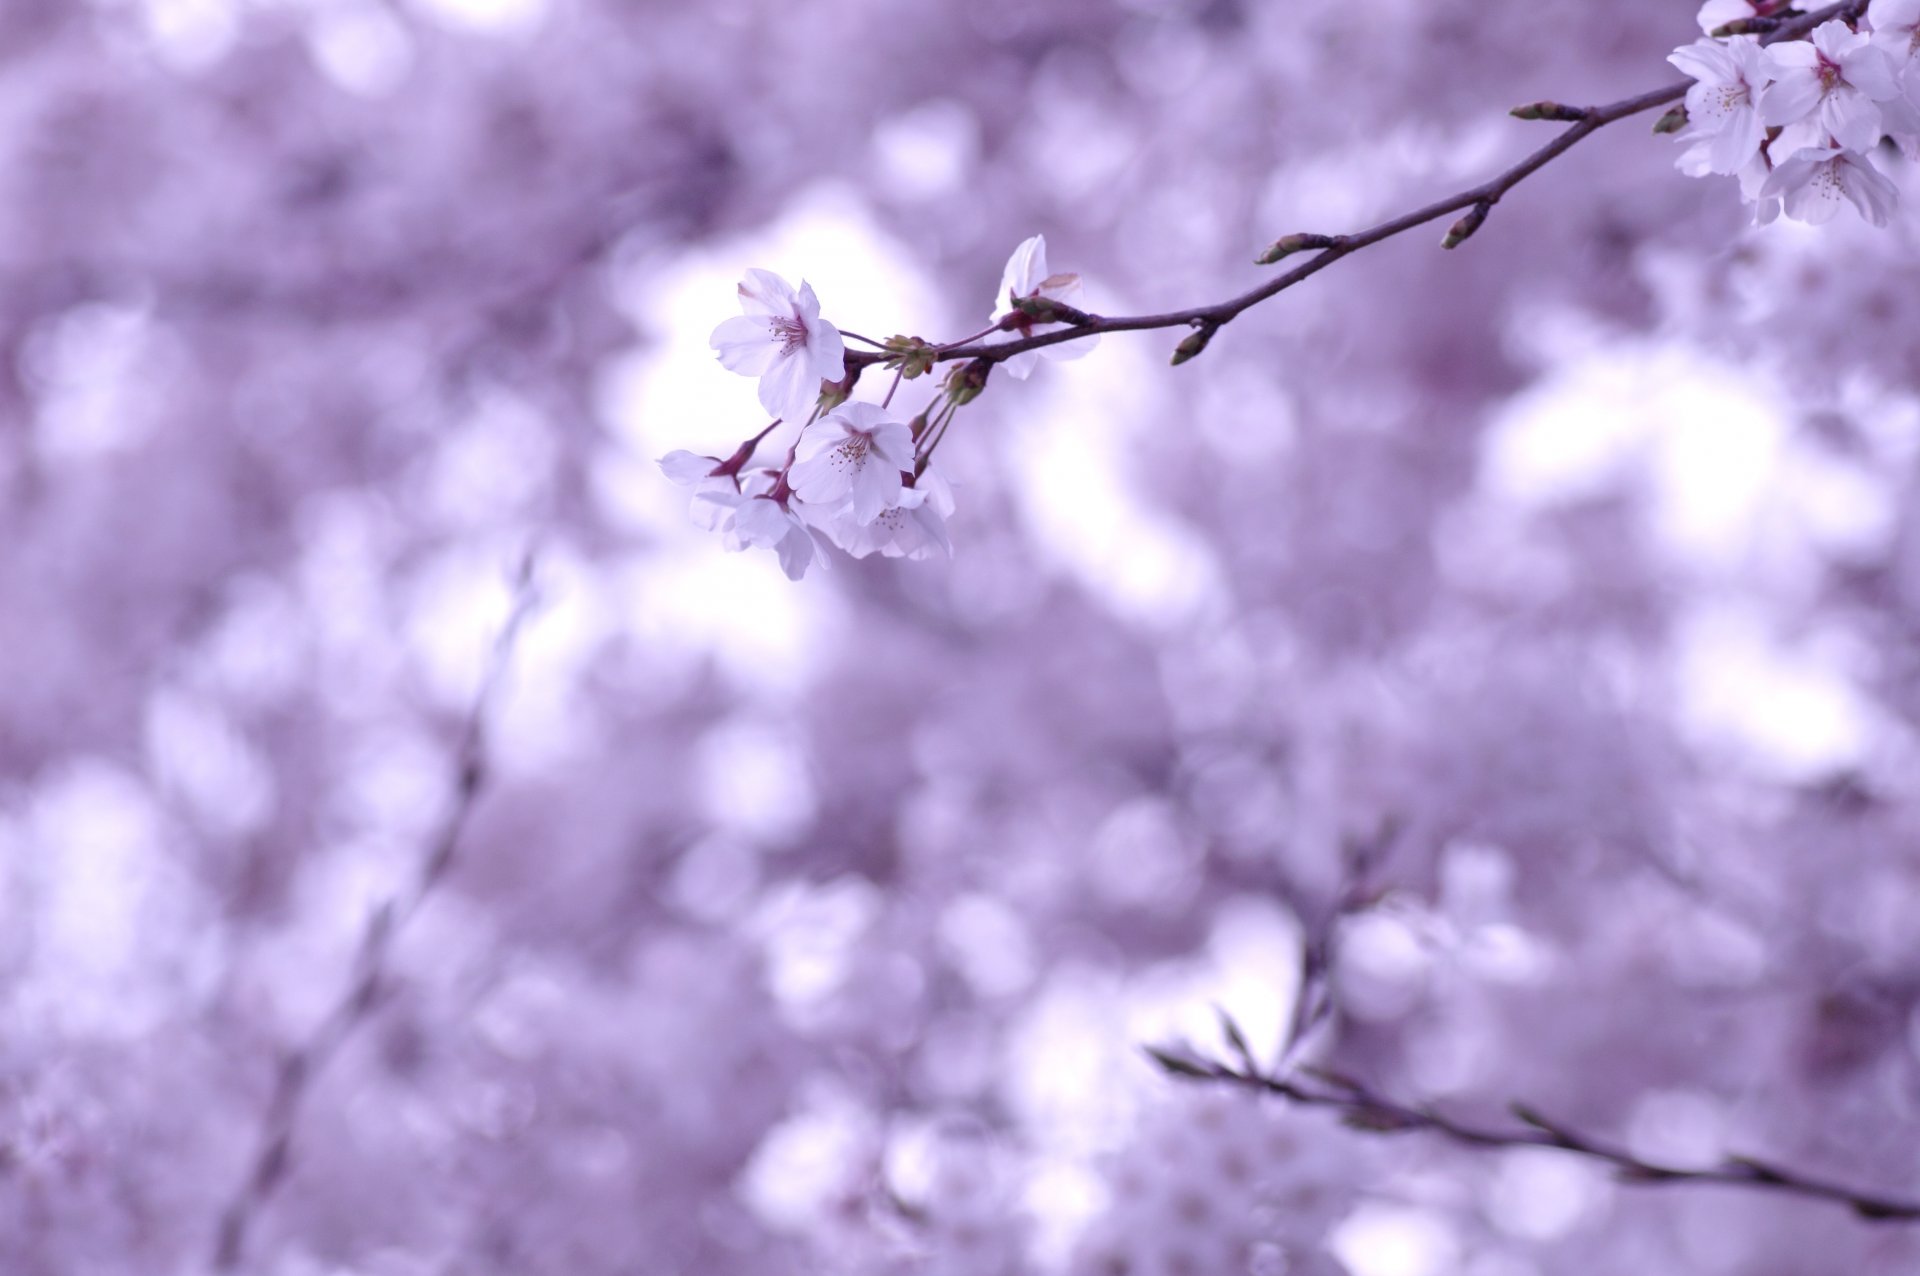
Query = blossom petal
x=789 y=389
x=1068 y=351
x=822 y=436
x=746 y=345
x=683 y=466
x=876 y=488
x=1025 y=269
x=1707 y=61
x=1791 y=97
x=1737 y=142
x=1871 y=71
x=826 y=352
x=1868 y=189
x=797 y=550
x=764 y=293
x=822 y=480
x=1853 y=121
x=1886 y=15
x=893 y=442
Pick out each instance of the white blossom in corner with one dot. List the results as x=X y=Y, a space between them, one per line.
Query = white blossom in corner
x=852 y=457
x=1811 y=186
x=1026 y=275
x=1723 y=120
x=1826 y=89
x=1896 y=29
x=1896 y=33
x=1715 y=14
x=782 y=340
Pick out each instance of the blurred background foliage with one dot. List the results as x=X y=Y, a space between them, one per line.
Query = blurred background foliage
x=816 y=927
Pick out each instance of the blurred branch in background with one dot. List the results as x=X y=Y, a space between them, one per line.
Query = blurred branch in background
x=1363 y=1108
x=304 y=1062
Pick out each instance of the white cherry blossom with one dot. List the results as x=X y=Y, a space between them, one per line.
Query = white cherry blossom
x=1825 y=89
x=1896 y=33
x=1723 y=122
x=1811 y=185
x=1026 y=275
x=782 y=340
x=1896 y=28
x=701 y=475
x=913 y=527
x=760 y=518
x=853 y=457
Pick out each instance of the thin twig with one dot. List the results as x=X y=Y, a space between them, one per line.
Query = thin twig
x=302 y=1063
x=1366 y=1109
x=1475 y=201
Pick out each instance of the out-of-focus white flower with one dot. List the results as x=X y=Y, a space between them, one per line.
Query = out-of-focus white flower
x=1896 y=33
x=1811 y=185
x=912 y=527
x=853 y=457
x=1026 y=276
x=782 y=340
x=1896 y=28
x=1715 y=14
x=1723 y=119
x=1825 y=90
x=749 y=518
x=700 y=474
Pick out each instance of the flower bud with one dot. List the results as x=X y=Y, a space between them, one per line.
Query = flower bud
x=1194 y=342
x=1042 y=309
x=1549 y=111
x=834 y=393
x=910 y=355
x=1469 y=222
x=1672 y=122
x=1287 y=245
x=966 y=381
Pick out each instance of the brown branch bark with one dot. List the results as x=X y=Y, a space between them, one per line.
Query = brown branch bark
x=1366 y=1109
x=1475 y=202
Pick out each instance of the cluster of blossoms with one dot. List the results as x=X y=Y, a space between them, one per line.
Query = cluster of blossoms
x=855 y=474
x=1797 y=121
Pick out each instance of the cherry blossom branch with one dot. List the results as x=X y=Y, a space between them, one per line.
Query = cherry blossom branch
x=301 y=1064
x=1474 y=203
x=1366 y=1109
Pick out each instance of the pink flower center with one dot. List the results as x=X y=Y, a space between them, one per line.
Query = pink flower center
x=1829 y=72
x=790 y=331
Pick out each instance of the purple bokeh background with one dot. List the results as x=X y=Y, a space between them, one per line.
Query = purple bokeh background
x=818 y=927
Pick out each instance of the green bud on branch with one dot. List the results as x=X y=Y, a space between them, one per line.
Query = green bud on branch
x=1672 y=122
x=1287 y=245
x=910 y=355
x=966 y=381
x=1549 y=111
x=1046 y=310
x=1194 y=342
x=1469 y=222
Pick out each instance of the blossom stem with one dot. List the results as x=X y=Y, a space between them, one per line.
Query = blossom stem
x=936 y=430
x=877 y=345
x=961 y=342
x=744 y=453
